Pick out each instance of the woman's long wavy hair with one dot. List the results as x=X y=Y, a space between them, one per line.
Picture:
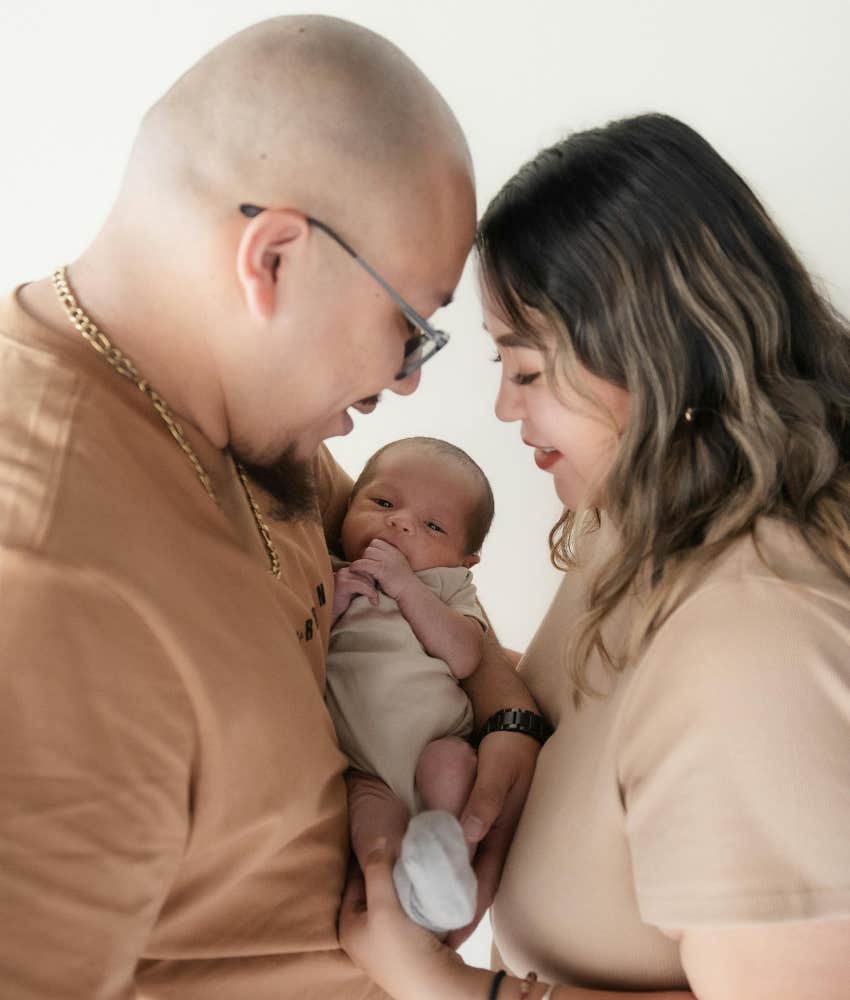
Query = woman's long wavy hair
x=656 y=268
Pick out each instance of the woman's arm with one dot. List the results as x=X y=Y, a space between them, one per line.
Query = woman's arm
x=797 y=961
x=411 y=964
x=790 y=961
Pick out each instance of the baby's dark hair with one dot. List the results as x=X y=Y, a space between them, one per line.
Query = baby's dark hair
x=482 y=513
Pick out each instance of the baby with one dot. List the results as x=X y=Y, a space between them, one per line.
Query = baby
x=407 y=628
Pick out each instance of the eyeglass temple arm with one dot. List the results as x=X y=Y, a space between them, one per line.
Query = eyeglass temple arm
x=405 y=308
x=250 y=211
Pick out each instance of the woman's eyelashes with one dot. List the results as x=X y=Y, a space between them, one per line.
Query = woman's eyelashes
x=520 y=378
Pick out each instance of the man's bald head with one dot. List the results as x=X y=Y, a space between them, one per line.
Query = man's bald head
x=314 y=111
x=268 y=330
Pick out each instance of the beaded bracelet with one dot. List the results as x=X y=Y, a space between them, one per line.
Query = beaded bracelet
x=527 y=983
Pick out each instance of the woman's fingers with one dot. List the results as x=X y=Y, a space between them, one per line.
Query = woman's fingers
x=378 y=878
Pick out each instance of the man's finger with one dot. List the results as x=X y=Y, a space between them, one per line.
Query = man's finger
x=483 y=807
x=488 y=864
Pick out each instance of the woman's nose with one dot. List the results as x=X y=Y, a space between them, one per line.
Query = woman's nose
x=507 y=402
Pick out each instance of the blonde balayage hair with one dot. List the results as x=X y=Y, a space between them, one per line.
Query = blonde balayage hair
x=655 y=267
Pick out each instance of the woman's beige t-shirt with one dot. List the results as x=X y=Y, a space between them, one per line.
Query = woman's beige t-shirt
x=711 y=786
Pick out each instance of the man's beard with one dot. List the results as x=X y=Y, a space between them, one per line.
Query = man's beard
x=290 y=481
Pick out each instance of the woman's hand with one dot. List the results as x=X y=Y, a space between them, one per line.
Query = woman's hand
x=404 y=959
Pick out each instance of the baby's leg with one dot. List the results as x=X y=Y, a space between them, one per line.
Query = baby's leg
x=374 y=811
x=445 y=774
x=433 y=877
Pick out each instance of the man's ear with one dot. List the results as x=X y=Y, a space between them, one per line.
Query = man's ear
x=269 y=236
x=470 y=561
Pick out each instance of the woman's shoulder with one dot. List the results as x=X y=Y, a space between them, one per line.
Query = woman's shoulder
x=767 y=614
x=771 y=566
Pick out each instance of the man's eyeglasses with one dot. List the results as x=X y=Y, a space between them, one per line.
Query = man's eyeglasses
x=424 y=342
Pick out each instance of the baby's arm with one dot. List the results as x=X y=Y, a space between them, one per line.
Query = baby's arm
x=347 y=585
x=444 y=632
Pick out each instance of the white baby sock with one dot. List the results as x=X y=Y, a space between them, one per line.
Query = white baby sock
x=433 y=877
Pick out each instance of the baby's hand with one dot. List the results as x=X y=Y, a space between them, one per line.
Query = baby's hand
x=348 y=583
x=386 y=565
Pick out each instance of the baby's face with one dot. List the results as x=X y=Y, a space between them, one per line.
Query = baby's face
x=420 y=503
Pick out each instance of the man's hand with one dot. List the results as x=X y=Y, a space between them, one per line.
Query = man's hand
x=347 y=585
x=386 y=565
x=505 y=768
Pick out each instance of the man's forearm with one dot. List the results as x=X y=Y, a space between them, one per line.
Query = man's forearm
x=496 y=684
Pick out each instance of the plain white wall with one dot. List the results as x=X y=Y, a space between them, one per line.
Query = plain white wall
x=766 y=81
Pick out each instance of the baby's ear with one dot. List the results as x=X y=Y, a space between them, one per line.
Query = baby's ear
x=470 y=561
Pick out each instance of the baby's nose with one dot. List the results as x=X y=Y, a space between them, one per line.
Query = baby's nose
x=400 y=521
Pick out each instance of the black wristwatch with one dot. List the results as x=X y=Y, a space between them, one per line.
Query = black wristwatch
x=516 y=720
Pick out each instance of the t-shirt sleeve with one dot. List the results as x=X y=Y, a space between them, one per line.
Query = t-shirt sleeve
x=334 y=487
x=734 y=759
x=96 y=743
x=464 y=599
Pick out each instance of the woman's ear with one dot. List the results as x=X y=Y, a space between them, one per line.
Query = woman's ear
x=269 y=237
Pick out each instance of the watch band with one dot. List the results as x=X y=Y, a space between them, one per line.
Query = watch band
x=516 y=720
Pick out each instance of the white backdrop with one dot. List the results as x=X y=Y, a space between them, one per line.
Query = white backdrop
x=766 y=81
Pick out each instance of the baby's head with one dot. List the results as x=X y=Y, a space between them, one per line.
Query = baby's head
x=424 y=496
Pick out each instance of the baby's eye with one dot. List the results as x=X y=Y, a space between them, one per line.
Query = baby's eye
x=434 y=527
x=381 y=502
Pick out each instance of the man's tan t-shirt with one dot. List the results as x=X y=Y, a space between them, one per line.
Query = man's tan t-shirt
x=387 y=697
x=711 y=786
x=172 y=809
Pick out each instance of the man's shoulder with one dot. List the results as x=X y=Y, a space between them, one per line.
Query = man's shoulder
x=83 y=453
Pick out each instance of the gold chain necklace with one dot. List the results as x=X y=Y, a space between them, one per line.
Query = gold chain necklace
x=124 y=366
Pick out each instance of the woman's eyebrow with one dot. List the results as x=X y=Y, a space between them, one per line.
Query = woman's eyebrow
x=508 y=339
x=512 y=340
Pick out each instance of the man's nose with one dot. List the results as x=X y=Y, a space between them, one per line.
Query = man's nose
x=405 y=386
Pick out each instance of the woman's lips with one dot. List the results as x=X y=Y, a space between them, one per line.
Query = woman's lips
x=545 y=458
